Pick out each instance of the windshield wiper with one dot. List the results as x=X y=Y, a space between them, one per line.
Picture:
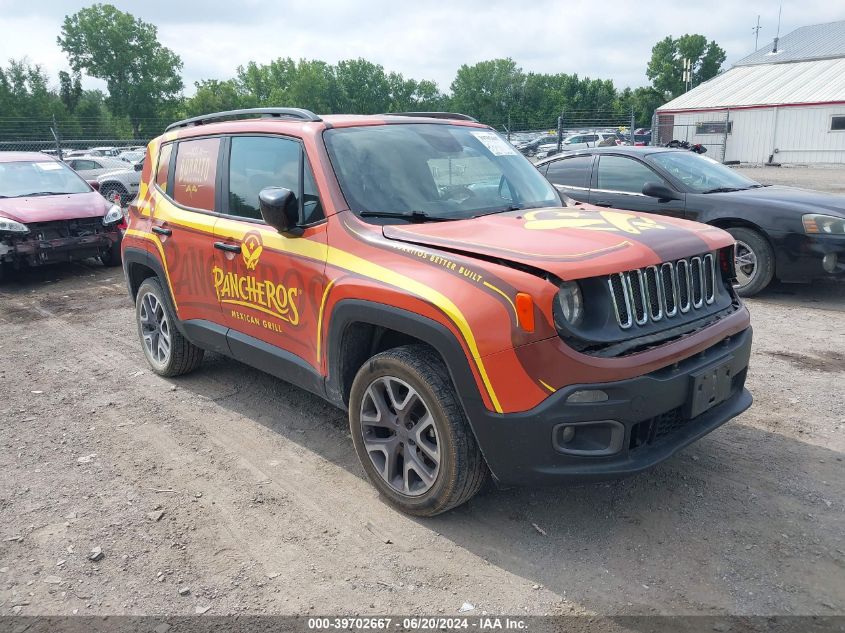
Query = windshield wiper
x=413 y=216
x=725 y=189
x=42 y=193
x=511 y=207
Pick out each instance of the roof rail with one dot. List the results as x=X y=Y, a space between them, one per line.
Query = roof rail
x=271 y=113
x=436 y=115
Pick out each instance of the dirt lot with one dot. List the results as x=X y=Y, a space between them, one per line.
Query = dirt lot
x=831 y=179
x=245 y=494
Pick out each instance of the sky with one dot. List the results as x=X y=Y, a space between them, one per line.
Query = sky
x=422 y=39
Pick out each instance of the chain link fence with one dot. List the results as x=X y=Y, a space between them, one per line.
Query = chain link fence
x=709 y=129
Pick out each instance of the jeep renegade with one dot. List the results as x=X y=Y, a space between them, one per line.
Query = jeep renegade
x=417 y=271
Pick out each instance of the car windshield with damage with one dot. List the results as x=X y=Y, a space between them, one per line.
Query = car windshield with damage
x=429 y=172
x=20 y=179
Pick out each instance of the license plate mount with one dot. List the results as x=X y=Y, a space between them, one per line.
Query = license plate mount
x=709 y=387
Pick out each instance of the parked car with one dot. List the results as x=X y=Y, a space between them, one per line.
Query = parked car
x=113 y=174
x=781 y=232
x=530 y=148
x=132 y=156
x=104 y=151
x=579 y=141
x=422 y=275
x=49 y=214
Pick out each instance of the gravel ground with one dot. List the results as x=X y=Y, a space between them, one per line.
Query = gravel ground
x=830 y=178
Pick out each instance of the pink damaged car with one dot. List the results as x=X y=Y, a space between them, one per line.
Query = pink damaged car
x=48 y=213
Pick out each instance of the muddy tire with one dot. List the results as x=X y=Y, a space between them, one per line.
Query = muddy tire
x=411 y=434
x=167 y=351
x=755 y=261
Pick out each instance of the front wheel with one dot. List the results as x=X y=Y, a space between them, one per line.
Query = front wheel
x=167 y=351
x=755 y=261
x=411 y=434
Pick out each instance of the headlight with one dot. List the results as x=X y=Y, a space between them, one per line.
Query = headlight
x=113 y=216
x=11 y=226
x=570 y=302
x=816 y=224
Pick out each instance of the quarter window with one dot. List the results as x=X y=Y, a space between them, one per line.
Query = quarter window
x=196 y=173
x=570 y=172
x=163 y=171
x=617 y=173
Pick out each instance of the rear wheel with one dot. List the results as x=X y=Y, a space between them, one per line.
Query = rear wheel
x=167 y=351
x=109 y=190
x=411 y=434
x=755 y=261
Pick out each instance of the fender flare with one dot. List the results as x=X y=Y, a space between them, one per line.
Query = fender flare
x=439 y=337
x=133 y=255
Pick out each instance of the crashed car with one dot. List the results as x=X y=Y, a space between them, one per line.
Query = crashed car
x=48 y=213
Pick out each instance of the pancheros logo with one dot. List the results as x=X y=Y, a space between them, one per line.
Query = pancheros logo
x=271 y=298
x=251 y=249
x=549 y=220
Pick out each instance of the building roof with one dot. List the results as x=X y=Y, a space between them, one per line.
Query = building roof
x=812 y=82
x=817 y=41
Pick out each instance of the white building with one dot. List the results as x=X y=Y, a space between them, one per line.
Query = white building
x=785 y=103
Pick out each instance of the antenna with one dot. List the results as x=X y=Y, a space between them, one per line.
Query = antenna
x=756 y=30
x=687 y=74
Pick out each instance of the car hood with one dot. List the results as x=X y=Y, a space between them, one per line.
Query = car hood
x=50 y=208
x=804 y=200
x=128 y=174
x=571 y=243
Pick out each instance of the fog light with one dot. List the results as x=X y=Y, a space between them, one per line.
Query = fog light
x=587 y=395
x=567 y=434
x=829 y=262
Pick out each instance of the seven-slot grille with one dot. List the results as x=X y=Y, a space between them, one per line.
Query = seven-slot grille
x=662 y=292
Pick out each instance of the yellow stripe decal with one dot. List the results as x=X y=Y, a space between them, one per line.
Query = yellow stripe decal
x=341 y=259
x=507 y=298
x=151 y=237
x=320 y=319
x=549 y=387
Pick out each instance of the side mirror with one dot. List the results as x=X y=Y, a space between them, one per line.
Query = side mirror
x=279 y=208
x=660 y=191
x=95 y=184
x=138 y=166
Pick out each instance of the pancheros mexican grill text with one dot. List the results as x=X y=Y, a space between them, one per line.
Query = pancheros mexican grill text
x=266 y=296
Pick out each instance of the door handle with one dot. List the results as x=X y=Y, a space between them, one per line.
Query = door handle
x=229 y=248
x=162 y=231
x=602 y=204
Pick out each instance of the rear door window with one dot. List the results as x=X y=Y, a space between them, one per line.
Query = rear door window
x=196 y=173
x=570 y=172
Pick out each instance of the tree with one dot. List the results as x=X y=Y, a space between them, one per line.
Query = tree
x=142 y=76
x=70 y=89
x=490 y=90
x=644 y=101
x=665 y=69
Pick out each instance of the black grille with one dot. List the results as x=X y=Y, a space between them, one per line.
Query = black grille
x=67 y=228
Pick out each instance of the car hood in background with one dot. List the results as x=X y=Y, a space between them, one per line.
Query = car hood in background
x=50 y=208
x=803 y=200
x=571 y=243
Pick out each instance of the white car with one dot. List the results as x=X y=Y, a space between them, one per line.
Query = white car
x=115 y=176
x=579 y=141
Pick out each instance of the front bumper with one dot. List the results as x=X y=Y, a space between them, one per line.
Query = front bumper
x=809 y=257
x=33 y=251
x=648 y=416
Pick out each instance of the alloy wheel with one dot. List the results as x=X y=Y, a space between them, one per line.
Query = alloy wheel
x=746 y=264
x=155 y=329
x=400 y=436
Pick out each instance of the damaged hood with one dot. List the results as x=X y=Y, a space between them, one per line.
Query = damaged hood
x=572 y=242
x=51 y=208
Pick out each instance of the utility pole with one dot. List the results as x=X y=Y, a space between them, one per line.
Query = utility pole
x=756 y=30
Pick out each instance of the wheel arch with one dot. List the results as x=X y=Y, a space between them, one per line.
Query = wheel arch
x=139 y=265
x=732 y=222
x=360 y=329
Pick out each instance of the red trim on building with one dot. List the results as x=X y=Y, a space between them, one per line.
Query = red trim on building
x=752 y=107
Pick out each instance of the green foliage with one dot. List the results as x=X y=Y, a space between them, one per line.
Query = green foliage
x=142 y=75
x=665 y=69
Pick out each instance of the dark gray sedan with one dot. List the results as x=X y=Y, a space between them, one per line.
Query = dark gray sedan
x=781 y=232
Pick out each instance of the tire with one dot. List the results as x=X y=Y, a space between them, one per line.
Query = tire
x=107 y=191
x=439 y=425
x=112 y=256
x=156 y=321
x=753 y=248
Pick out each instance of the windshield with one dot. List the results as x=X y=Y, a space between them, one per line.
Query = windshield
x=39 y=178
x=700 y=173
x=433 y=171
